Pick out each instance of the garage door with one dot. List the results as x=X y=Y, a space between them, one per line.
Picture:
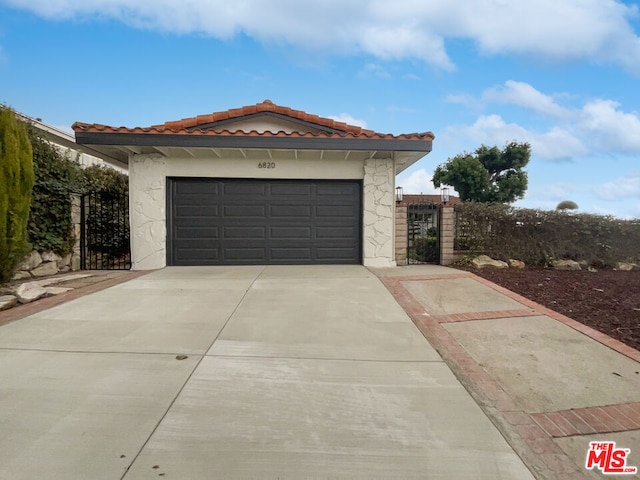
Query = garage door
x=248 y=222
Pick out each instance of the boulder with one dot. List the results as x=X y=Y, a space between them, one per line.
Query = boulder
x=516 y=263
x=31 y=261
x=50 y=257
x=45 y=269
x=565 y=265
x=484 y=261
x=64 y=262
x=28 y=292
x=626 y=267
x=20 y=275
x=7 y=301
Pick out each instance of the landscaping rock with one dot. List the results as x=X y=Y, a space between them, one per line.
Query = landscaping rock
x=565 y=265
x=31 y=261
x=7 y=301
x=57 y=290
x=626 y=267
x=20 y=275
x=516 y=263
x=64 y=262
x=51 y=257
x=28 y=292
x=45 y=269
x=484 y=261
x=75 y=262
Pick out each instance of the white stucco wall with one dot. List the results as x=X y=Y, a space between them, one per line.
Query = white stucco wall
x=379 y=209
x=147 y=181
x=147 y=211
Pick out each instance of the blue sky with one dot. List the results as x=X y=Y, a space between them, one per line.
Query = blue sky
x=563 y=76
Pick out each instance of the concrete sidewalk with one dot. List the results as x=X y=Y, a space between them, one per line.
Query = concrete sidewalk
x=242 y=372
x=550 y=384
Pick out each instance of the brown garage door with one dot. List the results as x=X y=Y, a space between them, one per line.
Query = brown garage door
x=249 y=222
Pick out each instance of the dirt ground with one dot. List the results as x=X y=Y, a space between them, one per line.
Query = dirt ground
x=606 y=300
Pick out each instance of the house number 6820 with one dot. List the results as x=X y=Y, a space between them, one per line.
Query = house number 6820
x=267 y=165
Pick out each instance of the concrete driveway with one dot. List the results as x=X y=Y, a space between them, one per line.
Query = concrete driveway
x=290 y=372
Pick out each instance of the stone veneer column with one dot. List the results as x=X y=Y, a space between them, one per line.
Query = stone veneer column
x=402 y=241
x=447 y=234
x=76 y=226
x=378 y=205
x=147 y=211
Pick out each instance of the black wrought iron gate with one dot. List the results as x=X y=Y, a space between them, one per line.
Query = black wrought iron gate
x=423 y=222
x=104 y=238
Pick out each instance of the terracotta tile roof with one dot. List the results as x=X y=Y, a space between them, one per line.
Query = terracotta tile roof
x=190 y=126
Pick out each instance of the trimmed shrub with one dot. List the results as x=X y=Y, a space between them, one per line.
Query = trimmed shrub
x=16 y=181
x=537 y=236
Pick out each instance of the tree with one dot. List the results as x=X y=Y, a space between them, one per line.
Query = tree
x=567 y=205
x=16 y=182
x=488 y=174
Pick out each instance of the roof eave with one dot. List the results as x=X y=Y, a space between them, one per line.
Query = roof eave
x=394 y=144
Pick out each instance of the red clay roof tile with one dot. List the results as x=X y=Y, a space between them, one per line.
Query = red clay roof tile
x=188 y=126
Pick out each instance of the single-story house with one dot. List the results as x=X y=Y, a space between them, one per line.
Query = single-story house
x=262 y=184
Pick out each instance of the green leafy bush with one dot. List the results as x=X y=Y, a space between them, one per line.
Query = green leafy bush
x=58 y=177
x=537 y=236
x=16 y=181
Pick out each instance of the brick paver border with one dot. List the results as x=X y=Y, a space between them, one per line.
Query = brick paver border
x=530 y=434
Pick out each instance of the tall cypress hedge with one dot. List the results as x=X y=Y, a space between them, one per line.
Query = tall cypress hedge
x=16 y=182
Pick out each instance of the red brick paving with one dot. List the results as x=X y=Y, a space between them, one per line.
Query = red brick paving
x=531 y=434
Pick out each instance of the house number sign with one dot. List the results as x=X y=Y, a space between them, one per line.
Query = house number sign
x=267 y=165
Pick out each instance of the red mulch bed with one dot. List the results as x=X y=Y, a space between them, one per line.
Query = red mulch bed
x=606 y=300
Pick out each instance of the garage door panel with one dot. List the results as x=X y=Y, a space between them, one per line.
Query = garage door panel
x=334 y=211
x=244 y=233
x=335 y=253
x=196 y=210
x=291 y=254
x=194 y=187
x=291 y=211
x=196 y=232
x=244 y=211
x=290 y=189
x=244 y=188
x=263 y=221
x=326 y=233
x=290 y=232
x=245 y=254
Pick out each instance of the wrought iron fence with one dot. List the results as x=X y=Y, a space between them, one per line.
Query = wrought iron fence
x=104 y=240
x=423 y=233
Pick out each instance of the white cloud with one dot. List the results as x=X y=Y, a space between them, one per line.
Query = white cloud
x=596 y=30
x=599 y=126
x=621 y=189
x=524 y=95
x=611 y=128
x=554 y=144
x=418 y=181
x=346 y=118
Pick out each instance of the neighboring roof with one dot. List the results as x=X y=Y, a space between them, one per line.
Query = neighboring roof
x=216 y=130
x=64 y=139
x=414 y=199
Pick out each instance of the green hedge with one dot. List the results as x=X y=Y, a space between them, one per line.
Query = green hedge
x=537 y=236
